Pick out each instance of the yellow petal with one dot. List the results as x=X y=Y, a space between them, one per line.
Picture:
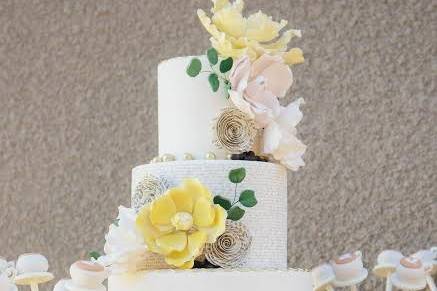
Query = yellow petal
x=185 y=259
x=262 y=28
x=178 y=259
x=182 y=199
x=219 y=4
x=280 y=44
x=176 y=241
x=196 y=241
x=162 y=210
x=230 y=21
x=204 y=213
x=211 y=28
x=219 y=225
x=187 y=265
x=294 y=56
x=226 y=49
x=144 y=225
x=195 y=188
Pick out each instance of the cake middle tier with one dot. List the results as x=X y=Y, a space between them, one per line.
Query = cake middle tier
x=266 y=222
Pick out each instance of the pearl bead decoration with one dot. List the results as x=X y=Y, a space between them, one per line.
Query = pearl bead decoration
x=188 y=157
x=210 y=156
x=155 y=160
x=168 y=158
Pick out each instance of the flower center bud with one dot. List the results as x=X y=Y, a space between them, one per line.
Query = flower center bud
x=182 y=221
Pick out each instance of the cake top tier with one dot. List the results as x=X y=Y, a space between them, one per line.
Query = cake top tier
x=227 y=102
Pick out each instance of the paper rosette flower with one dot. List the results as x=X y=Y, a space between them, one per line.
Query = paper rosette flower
x=148 y=189
x=179 y=223
x=234 y=131
x=234 y=35
x=231 y=248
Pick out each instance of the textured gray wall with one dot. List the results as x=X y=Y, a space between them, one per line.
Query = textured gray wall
x=78 y=111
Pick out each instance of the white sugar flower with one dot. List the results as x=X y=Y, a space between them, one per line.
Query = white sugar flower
x=280 y=139
x=124 y=246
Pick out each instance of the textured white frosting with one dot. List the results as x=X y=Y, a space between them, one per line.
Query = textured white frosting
x=213 y=280
x=186 y=108
x=267 y=221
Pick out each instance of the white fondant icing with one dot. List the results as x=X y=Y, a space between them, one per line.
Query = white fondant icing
x=212 y=280
x=186 y=109
x=267 y=221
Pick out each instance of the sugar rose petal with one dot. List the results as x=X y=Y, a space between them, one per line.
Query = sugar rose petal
x=294 y=56
x=278 y=79
x=183 y=200
x=239 y=74
x=172 y=242
x=196 y=241
x=162 y=210
x=262 y=28
x=217 y=228
x=230 y=21
x=203 y=214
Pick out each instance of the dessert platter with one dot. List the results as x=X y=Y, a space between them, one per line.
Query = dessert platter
x=210 y=211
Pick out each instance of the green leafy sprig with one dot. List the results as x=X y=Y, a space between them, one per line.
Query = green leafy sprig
x=247 y=197
x=215 y=77
x=94 y=255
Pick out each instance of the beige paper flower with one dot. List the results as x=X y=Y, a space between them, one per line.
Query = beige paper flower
x=234 y=131
x=147 y=190
x=231 y=248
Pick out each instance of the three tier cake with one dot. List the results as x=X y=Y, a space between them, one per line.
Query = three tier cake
x=210 y=212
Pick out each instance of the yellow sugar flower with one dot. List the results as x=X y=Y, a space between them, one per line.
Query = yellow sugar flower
x=179 y=223
x=233 y=35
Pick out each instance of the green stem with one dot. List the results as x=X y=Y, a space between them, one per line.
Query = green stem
x=235 y=194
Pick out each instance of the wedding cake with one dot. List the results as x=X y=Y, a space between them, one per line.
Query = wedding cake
x=210 y=211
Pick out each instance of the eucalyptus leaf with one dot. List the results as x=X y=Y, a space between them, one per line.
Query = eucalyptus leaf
x=247 y=198
x=226 y=65
x=237 y=175
x=94 y=255
x=223 y=202
x=212 y=56
x=116 y=222
x=194 y=67
x=214 y=82
x=235 y=213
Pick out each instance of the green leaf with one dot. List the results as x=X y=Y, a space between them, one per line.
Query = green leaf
x=194 y=67
x=223 y=202
x=214 y=82
x=247 y=198
x=226 y=65
x=94 y=255
x=237 y=175
x=116 y=221
x=235 y=213
x=212 y=56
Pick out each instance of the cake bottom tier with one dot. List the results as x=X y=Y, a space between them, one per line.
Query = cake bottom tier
x=212 y=280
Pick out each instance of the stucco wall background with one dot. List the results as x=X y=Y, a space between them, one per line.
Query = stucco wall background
x=78 y=111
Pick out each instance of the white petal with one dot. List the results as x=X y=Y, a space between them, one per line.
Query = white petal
x=271 y=138
x=239 y=102
x=291 y=115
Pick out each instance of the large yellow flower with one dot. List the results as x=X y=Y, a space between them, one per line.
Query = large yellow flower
x=233 y=35
x=179 y=223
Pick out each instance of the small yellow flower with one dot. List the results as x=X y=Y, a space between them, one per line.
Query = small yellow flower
x=179 y=223
x=233 y=35
x=294 y=56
